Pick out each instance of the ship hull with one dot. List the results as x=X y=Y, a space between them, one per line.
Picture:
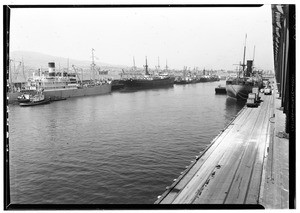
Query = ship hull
x=45 y=101
x=238 y=91
x=78 y=92
x=204 y=80
x=69 y=92
x=182 y=82
x=209 y=79
x=145 y=84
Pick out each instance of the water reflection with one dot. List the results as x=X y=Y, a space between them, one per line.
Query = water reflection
x=233 y=106
x=130 y=143
x=136 y=89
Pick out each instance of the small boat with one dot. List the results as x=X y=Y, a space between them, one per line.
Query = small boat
x=36 y=99
x=25 y=96
x=220 y=90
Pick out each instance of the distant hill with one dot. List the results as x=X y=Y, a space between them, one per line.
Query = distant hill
x=34 y=61
x=38 y=60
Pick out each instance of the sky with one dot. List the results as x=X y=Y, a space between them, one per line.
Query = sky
x=210 y=38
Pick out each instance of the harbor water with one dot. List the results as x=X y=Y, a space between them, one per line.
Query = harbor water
x=119 y=148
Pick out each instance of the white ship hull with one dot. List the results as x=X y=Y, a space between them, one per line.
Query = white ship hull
x=68 y=92
x=78 y=92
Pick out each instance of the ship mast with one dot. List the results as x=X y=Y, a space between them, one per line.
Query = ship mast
x=253 y=56
x=134 y=67
x=244 y=65
x=166 y=65
x=93 y=65
x=146 y=67
x=253 y=53
x=23 y=70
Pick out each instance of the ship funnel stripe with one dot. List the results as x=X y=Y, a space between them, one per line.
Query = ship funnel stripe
x=51 y=67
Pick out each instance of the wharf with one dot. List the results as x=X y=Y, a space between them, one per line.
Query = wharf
x=247 y=163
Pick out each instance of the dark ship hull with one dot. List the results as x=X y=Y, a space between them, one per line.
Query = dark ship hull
x=239 y=92
x=240 y=88
x=45 y=101
x=182 y=82
x=148 y=83
x=209 y=79
x=117 y=85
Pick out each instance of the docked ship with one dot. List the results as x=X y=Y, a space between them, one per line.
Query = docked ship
x=186 y=78
x=60 y=85
x=208 y=77
x=183 y=80
x=239 y=87
x=148 y=81
x=205 y=78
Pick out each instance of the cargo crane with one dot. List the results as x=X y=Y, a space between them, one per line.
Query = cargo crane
x=13 y=73
x=76 y=69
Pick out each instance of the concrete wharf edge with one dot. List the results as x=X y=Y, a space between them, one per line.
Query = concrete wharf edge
x=247 y=163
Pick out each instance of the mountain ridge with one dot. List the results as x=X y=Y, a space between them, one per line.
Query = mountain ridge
x=32 y=61
x=37 y=60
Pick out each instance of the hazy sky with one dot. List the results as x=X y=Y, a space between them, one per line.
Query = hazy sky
x=210 y=38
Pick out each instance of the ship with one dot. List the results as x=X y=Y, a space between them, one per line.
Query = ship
x=183 y=80
x=34 y=100
x=240 y=86
x=186 y=77
x=205 y=78
x=208 y=77
x=60 y=85
x=148 y=81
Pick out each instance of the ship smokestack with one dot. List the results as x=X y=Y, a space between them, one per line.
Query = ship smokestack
x=249 y=68
x=51 y=67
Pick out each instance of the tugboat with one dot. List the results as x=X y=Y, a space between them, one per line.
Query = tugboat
x=36 y=99
x=24 y=98
x=25 y=95
x=239 y=87
x=220 y=90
